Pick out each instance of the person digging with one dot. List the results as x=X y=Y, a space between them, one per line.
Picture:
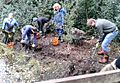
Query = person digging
x=42 y=23
x=27 y=40
x=108 y=31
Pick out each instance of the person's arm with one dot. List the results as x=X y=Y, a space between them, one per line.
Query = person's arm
x=62 y=19
x=34 y=39
x=24 y=33
x=101 y=34
x=4 y=22
x=16 y=23
x=53 y=19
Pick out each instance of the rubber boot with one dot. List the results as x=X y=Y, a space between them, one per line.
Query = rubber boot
x=59 y=37
x=102 y=53
x=104 y=60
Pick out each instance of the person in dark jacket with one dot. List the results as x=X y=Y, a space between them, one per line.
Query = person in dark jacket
x=108 y=31
x=9 y=25
x=27 y=32
x=42 y=24
x=58 y=19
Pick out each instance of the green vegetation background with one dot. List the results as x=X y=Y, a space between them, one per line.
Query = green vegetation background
x=77 y=11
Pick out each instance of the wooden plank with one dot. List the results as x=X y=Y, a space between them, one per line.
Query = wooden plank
x=102 y=77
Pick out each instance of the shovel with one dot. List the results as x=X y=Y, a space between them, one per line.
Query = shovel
x=94 y=50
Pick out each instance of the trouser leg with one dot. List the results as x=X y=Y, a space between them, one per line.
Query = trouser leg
x=5 y=38
x=109 y=37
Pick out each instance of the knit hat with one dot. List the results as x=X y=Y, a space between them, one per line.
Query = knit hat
x=118 y=63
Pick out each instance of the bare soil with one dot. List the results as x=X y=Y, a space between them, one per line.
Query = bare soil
x=68 y=59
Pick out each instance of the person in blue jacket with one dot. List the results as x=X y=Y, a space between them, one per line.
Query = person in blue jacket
x=9 y=25
x=27 y=32
x=58 y=19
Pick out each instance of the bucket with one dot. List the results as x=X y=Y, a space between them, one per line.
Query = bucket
x=38 y=35
x=10 y=45
x=55 y=41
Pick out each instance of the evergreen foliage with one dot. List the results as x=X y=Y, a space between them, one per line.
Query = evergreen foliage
x=77 y=11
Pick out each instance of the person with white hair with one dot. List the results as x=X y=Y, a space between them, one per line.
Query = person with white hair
x=9 y=25
x=58 y=19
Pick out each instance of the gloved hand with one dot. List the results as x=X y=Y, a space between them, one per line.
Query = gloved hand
x=33 y=45
x=22 y=41
x=9 y=35
x=40 y=33
x=6 y=31
x=13 y=30
x=97 y=45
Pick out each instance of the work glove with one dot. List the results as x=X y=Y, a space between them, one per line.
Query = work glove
x=22 y=41
x=40 y=33
x=33 y=45
x=13 y=30
x=6 y=31
x=97 y=45
x=9 y=35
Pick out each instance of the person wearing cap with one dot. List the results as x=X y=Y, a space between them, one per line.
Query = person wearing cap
x=58 y=19
x=27 y=31
x=108 y=31
x=9 y=25
x=112 y=66
x=42 y=24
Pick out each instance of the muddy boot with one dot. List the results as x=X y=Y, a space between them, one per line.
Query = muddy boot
x=102 y=53
x=104 y=60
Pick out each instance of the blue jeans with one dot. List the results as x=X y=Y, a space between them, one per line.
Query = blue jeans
x=59 y=32
x=107 y=40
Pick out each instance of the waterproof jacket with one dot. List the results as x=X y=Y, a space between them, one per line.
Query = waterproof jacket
x=26 y=34
x=9 y=24
x=58 y=18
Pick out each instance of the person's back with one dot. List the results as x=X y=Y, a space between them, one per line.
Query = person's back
x=105 y=25
x=43 y=20
x=41 y=23
x=26 y=29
